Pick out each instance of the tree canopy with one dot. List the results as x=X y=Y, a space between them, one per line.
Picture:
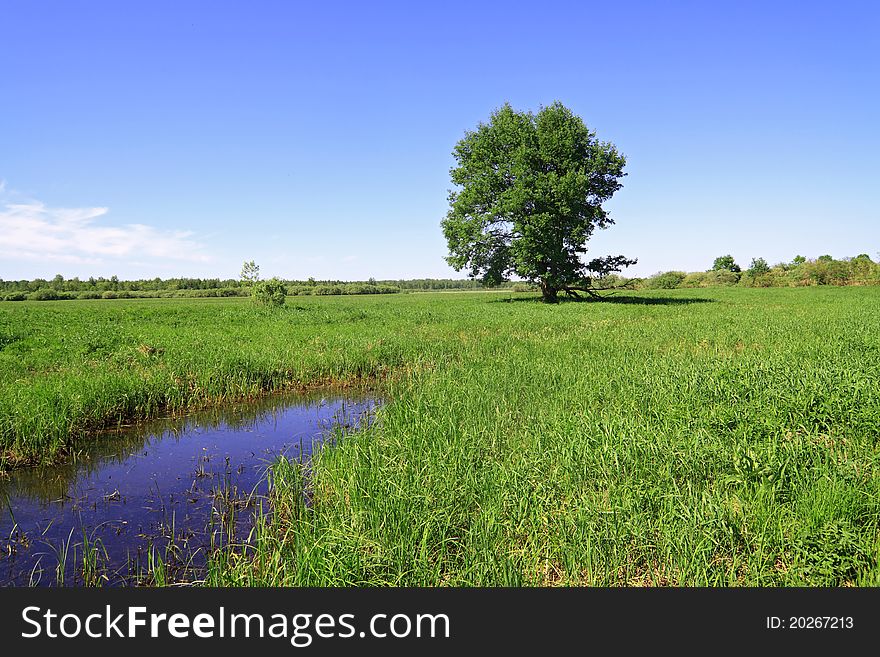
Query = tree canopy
x=250 y=273
x=530 y=194
x=759 y=266
x=725 y=262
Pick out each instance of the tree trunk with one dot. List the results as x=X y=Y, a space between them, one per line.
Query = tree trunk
x=548 y=293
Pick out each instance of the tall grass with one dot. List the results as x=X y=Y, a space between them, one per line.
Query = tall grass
x=699 y=437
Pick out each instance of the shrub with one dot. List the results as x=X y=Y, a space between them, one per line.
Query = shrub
x=759 y=267
x=272 y=292
x=722 y=277
x=90 y=294
x=109 y=294
x=325 y=290
x=757 y=280
x=359 y=288
x=612 y=280
x=16 y=296
x=667 y=280
x=43 y=294
x=694 y=279
x=232 y=292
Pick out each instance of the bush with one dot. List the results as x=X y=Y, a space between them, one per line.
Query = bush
x=200 y=294
x=758 y=268
x=325 y=290
x=90 y=294
x=44 y=294
x=359 y=288
x=272 y=292
x=668 y=280
x=15 y=296
x=109 y=294
x=722 y=277
x=694 y=279
x=611 y=280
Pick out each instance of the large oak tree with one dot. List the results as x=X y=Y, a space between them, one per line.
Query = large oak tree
x=530 y=194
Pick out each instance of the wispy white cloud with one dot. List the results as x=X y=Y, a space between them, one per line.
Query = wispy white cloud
x=32 y=230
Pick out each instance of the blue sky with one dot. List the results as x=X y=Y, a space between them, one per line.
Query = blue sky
x=166 y=139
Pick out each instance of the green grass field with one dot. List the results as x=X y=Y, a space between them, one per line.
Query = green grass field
x=699 y=437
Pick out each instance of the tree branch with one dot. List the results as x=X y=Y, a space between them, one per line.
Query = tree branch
x=593 y=292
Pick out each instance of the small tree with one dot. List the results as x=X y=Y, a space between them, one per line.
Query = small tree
x=725 y=262
x=759 y=266
x=250 y=274
x=531 y=189
x=272 y=292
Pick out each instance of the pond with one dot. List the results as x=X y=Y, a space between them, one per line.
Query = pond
x=171 y=489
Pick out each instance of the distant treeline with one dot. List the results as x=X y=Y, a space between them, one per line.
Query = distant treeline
x=60 y=288
x=800 y=272
x=824 y=270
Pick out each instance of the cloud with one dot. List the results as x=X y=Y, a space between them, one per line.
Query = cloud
x=34 y=231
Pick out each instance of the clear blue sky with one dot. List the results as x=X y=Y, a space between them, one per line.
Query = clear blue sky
x=182 y=138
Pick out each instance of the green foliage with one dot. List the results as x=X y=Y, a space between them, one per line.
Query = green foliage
x=271 y=292
x=725 y=262
x=325 y=290
x=859 y=270
x=833 y=553
x=346 y=288
x=759 y=266
x=250 y=274
x=694 y=280
x=530 y=195
x=668 y=280
x=44 y=294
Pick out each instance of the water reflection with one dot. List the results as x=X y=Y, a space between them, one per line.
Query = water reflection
x=187 y=482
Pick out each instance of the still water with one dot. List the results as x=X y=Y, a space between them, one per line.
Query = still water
x=172 y=488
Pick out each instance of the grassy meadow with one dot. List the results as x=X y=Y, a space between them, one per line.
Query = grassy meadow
x=674 y=437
